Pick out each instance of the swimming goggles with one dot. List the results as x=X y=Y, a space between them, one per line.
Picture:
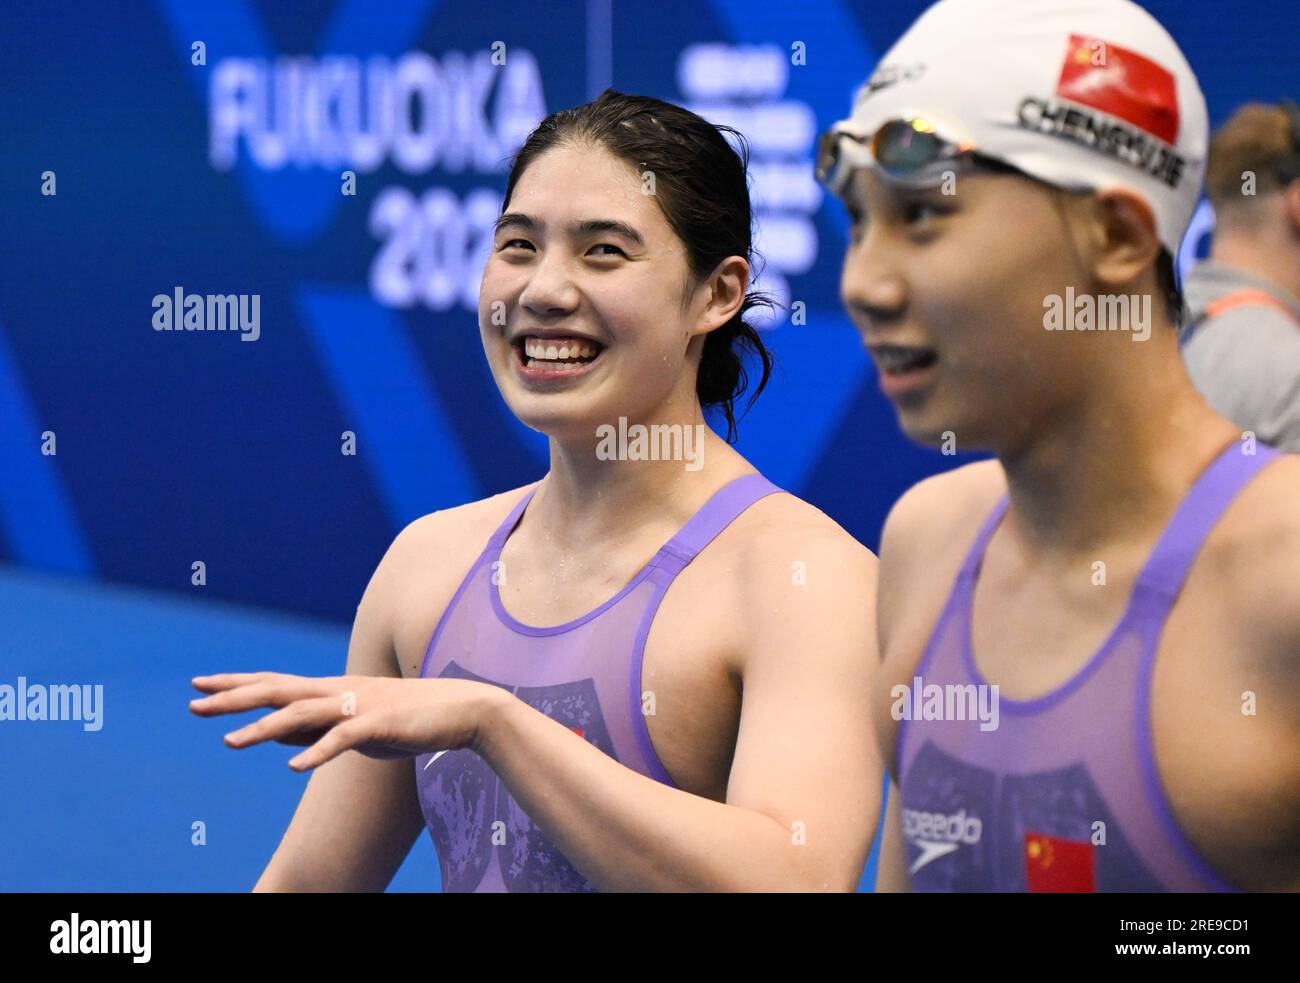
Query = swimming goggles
x=910 y=151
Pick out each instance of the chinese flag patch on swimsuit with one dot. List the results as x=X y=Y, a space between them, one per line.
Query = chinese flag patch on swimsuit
x=1121 y=83
x=1055 y=866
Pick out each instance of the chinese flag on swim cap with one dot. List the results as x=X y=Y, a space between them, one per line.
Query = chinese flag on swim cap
x=1121 y=83
x=1055 y=866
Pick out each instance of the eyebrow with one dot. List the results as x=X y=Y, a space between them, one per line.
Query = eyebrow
x=856 y=204
x=591 y=226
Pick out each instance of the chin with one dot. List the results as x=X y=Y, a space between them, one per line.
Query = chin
x=555 y=416
x=925 y=436
x=924 y=427
x=919 y=424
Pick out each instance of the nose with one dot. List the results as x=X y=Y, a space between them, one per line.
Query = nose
x=872 y=287
x=550 y=291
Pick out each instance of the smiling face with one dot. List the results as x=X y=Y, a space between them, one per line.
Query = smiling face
x=581 y=306
x=948 y=293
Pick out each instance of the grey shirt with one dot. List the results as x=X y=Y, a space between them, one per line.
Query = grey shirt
x=1245 y=361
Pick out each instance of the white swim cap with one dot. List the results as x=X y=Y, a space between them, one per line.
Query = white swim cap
x=1082 y=94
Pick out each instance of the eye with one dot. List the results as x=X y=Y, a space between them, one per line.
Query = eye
x=510 y=242
x=919 y=212
x=607 y=245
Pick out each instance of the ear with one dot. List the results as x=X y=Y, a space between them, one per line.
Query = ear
x=1126 y=241
x=724 y=293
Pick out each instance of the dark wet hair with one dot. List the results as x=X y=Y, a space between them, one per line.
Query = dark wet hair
x=1171 y=290
x=701 y=187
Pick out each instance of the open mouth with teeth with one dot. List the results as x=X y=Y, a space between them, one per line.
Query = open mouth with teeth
x=556 y=354
x=901 y=359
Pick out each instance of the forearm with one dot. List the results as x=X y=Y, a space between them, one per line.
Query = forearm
x=627 y=832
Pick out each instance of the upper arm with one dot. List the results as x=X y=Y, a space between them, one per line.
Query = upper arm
x=804 y=752
x=1289 y=671
x=908 y=519
x=905 y=515
x=919 y=531
x=925 y=537
x=891 y=871
x=1271 y=614
x=359 y=816
x=1225 y=705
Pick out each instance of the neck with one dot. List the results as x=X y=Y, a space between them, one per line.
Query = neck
x=589 y=499
x=1115 y=461
x=1278 y=263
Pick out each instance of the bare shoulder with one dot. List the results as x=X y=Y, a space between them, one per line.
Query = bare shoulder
x=468 y=523
x=1253 y=556
x=936 y=508
x=779 y=522
x=424 y=565
x=926 y=536
x=1236 y=637
x=779 y=572
x=782 y=541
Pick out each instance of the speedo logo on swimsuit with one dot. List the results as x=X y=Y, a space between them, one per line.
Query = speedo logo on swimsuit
x=938 y=835
x=434 y=757
x=1137 y=102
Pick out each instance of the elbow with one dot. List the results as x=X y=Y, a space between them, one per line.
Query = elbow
x=811 y=875
x=823 y=880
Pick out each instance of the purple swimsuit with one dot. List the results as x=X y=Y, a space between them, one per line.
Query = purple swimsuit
x=1063 y=794
x=586 y=674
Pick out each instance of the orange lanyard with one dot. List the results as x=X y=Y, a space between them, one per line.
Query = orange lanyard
x=1238 y=298
x=1246 y=298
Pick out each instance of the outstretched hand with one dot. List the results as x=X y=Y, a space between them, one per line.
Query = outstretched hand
x=379 y=716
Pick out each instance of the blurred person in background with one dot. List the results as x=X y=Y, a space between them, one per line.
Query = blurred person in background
x=1242 y=339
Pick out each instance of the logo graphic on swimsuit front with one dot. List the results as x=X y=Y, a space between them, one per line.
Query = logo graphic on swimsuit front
x=472 y=817
x=974 y=828
x=937 y=835
x=1055 y=864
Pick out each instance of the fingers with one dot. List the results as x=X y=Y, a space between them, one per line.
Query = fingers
x=310 y=711
x=301 y=716
x=277 y=691
x=227 y=680
x=337 y=740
